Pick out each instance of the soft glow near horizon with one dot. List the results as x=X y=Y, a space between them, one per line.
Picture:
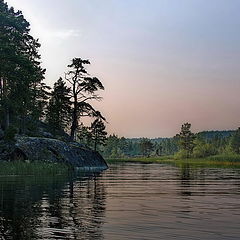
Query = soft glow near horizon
x=162 y=62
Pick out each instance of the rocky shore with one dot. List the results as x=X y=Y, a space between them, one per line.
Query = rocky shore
x=51 y=150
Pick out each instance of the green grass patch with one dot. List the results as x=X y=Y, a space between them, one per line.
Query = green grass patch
x=33 y=168
x=141 y=159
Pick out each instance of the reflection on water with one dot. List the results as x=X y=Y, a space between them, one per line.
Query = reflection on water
x=51 y=207
x=128 y=201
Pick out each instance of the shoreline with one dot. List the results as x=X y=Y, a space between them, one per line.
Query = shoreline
x=217 y=160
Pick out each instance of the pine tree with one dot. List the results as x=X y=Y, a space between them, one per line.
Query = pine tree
x=83 y=89
x=20 y=70
x=186 y=139
x=59 y=108
x=98 y=132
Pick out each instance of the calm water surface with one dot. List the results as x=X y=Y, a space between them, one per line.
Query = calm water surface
x=128 y=201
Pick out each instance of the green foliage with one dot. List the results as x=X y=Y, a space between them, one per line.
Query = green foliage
x=203 y=144
x=131 y=147
x=229 y=160
x=152 y=159
x=116 y=147
x=229 y=157
x=116 y=153
x=165 y=146
x=235 y=142
x=203 y=149
x=98 y=132
x=186 y=139
x=146 y=146
x=181 y=154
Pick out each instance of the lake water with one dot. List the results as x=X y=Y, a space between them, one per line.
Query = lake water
x=128 y=201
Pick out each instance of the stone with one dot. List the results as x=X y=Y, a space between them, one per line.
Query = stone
x=56 y=151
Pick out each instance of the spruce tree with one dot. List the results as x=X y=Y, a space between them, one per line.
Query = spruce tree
x=98 y=132
x=59 y=108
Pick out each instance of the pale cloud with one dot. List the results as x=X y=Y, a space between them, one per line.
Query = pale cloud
x=59 y=34
x=65 y=34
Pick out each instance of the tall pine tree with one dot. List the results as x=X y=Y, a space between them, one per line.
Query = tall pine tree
x=83 y=89
x=21 y=76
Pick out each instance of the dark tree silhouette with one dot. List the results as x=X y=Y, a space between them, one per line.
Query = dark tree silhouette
x=99 y=135
x=59 y=108
x=83 y=89
x=22 y=92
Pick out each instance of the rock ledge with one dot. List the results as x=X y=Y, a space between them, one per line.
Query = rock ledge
x=53 y=150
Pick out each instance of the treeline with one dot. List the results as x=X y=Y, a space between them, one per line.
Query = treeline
x=205 y=144
x=26 y=100
x=118 y=147
x=184 y=145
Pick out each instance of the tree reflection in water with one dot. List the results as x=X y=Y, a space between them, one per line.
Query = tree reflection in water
x=52 y=207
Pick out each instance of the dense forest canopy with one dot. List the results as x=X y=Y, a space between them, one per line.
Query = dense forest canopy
x=22 y=90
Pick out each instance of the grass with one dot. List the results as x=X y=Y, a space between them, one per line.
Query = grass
x=230 y=160
x=141 y=159
x=32 y=168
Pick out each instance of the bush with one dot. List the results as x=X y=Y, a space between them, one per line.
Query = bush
x=182 y=154
x=204 y=150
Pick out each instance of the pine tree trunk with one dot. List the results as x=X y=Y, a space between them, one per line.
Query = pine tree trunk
x=74 y=122
x=74 y=116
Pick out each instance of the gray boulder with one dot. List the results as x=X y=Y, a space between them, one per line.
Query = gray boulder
x=53 y=150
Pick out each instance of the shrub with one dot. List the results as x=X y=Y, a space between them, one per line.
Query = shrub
x=202 y=150
x=182 y=154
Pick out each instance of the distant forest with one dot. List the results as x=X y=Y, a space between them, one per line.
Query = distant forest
x=118 y=147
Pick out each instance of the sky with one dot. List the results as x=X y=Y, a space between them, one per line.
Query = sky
x=162 y=62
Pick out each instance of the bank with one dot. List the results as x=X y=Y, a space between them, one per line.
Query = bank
x=227 y=160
